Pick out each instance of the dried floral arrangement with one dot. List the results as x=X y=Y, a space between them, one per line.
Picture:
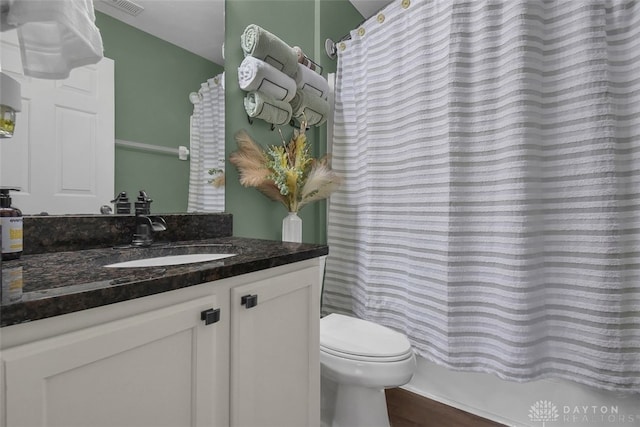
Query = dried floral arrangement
x=285 y=173
x=219 y=178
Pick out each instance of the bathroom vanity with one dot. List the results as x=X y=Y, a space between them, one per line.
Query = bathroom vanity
x=229 y=342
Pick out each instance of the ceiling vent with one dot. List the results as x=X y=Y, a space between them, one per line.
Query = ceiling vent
x=126 y=6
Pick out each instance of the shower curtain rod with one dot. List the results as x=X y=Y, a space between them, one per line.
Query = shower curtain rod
x=347 y=36
x=330 y=45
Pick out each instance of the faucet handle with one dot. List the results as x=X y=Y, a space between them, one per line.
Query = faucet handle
x=143 y=204
x=122 y=196
x=122 y=204
x=142 y=197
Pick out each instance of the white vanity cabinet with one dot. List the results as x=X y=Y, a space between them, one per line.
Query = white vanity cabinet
x=275 y=352
x=153 y=369
x=154 y=361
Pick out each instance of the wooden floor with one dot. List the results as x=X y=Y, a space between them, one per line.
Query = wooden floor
x=408 y=409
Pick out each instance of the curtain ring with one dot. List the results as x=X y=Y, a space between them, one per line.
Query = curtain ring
x=195 y=97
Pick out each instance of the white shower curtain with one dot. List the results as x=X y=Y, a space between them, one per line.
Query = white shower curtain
x=491 y=199
x=207 y=146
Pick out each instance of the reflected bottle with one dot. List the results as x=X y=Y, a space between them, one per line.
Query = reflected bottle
x=12 y=282
x=11 y=221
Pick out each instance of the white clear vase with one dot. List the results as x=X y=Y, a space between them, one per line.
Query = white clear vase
x=292 y=228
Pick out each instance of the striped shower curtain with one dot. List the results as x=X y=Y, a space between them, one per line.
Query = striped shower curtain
x=491 y=200
x=207 y=146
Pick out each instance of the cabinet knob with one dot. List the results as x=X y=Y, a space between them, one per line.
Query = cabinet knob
x=210 y=316
x=249 y=301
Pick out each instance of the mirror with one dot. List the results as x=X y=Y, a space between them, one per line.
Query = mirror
x=153 y=79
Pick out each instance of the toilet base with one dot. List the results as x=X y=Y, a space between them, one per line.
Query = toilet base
x=360 y=407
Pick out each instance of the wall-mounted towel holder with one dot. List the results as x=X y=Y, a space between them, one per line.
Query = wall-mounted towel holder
x=315 y=64
x=250 y=120
x=275 y=74
x=296 y=124
x=293 y=123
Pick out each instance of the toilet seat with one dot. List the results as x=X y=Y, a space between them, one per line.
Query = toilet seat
x=360 y=358
x=357 y=339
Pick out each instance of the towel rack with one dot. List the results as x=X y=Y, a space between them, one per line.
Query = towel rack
x=293 y=123
x=250 y=120
x=318 y=66
x=182 y=152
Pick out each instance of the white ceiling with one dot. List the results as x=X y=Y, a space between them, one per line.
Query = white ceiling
x=368 y=8
x=195 y=25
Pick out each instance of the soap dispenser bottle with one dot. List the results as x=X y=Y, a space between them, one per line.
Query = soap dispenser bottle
x=11 y=221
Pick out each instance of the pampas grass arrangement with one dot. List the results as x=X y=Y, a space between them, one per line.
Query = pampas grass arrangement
x=285 y=173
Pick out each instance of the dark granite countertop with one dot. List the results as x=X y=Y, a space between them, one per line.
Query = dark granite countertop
x=63 y=282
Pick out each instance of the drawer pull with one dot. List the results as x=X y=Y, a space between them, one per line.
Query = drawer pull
x=249 y=301
x=210 y=316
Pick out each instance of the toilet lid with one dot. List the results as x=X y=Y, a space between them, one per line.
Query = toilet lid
x=357 y=337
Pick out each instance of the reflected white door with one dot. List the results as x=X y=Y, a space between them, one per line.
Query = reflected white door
x=62 y=153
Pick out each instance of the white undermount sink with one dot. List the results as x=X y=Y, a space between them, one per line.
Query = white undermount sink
x=163 y=261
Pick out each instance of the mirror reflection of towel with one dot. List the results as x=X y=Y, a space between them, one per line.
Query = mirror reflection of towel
x=55 y=36
x=261 y=106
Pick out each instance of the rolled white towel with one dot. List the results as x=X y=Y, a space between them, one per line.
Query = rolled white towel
x=260 y=43
x=256 y=75
x=311 y=82
x=310 y=107
x=262 y=106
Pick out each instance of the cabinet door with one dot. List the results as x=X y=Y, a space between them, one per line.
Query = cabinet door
x=275 y=368
x=153 y=369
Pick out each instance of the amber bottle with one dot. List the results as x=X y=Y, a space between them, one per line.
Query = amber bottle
x=11 y=222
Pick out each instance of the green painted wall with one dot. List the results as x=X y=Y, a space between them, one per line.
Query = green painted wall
x=304 y=23
x=153 y=79
x=337 y=19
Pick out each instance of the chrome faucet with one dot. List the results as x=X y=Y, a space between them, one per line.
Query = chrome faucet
x=146 y=224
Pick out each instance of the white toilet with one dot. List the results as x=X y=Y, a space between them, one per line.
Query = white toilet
x=358 y=360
